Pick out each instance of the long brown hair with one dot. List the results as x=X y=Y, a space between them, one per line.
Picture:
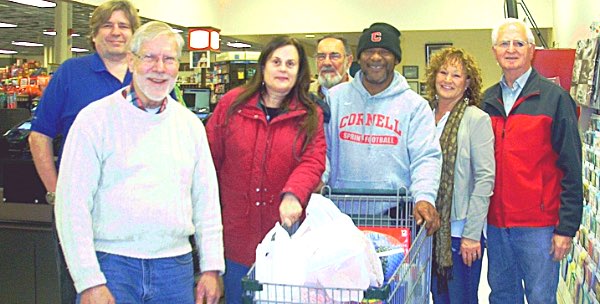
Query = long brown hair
x=299 y=91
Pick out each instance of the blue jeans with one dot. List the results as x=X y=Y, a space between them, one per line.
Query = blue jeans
x=233 y=281
x=463 y=286
x=517 y=256
x=148 y=281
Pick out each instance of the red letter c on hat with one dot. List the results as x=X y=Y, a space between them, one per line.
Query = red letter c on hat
x=376 y=36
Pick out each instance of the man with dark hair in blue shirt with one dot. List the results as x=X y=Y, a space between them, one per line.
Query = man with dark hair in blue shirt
x=80 y=81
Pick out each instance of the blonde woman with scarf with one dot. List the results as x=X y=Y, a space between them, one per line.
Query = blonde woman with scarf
x=467 y=179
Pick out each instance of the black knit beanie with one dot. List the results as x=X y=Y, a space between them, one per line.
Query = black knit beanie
x=380 y=35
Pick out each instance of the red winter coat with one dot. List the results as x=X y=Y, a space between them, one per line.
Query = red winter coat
x=257 y=162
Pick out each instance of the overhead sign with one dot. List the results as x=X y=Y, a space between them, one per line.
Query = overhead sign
x=204 y=39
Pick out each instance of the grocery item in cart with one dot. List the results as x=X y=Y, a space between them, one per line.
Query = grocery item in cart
x=389 y=249
x=327 y=251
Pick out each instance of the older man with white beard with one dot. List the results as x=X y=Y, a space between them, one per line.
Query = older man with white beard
x=334 y=58
x=137 y=179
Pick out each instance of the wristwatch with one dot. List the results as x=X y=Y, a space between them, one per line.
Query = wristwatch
x=50 y=196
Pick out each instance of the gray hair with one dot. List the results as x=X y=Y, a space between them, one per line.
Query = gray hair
x=507 y=21
x=152 y=30
x=347 y=47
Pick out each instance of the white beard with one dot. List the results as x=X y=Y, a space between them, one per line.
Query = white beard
x=329 y=80
x=151 y=93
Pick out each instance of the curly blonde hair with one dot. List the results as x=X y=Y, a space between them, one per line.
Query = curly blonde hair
x=454 y=56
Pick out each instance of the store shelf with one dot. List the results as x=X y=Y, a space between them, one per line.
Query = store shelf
x=231 y=74
x=580 y=275
x=563 y=296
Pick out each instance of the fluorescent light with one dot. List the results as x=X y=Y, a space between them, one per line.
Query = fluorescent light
x=25 y=43
x=36 y=3
x=8 y=52
x=53 y=33
x=309 y=36
x=238 y=45
x=2 y=24
x=79 y=50
x=177 y=30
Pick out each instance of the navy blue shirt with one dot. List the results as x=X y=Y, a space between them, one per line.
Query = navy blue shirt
x=77 y=83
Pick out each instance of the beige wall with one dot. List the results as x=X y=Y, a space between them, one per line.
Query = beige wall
x=572 y=20
x=476 y=42
x=240 y=17
x=470 y=21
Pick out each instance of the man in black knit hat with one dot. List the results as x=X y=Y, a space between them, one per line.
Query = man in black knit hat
x=381 y=134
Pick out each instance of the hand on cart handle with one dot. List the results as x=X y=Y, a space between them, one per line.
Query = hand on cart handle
x=209 y=290
x=426 y=212
x=290 y=210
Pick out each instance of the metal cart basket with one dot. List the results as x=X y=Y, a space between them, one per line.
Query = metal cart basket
x=410 y=282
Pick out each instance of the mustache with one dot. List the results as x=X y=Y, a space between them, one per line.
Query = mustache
x=163 y=76
x=327 y=69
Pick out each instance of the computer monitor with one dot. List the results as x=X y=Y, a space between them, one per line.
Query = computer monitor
x=197 y=99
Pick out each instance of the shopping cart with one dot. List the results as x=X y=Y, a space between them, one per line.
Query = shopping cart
x=410 y=282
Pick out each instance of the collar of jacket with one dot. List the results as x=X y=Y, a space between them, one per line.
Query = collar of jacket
x=531 y=88
x=252 y=107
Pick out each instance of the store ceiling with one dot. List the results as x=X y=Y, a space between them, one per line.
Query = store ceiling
x=32 y=21
x=310 y=44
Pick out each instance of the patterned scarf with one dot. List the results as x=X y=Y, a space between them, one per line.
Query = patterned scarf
x=442 y=243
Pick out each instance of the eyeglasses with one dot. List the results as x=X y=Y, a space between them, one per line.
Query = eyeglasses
x=332 y=56
x=517 y=44
x=151 y=60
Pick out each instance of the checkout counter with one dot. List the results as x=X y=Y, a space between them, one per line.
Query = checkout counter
x=28 y=254
x=29 y=258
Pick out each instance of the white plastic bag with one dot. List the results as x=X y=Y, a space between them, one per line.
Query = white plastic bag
x=281 y=259
x=327 y=251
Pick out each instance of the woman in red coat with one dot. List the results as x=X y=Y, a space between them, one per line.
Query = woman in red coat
x=268 y=147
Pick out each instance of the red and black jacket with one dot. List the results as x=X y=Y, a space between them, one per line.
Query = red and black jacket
x=538 y=158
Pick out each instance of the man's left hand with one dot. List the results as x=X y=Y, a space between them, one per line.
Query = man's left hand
x=425 y=211
x=561 y=245
x=208 y=289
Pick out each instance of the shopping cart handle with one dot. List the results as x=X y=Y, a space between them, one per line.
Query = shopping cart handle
x=379 y=192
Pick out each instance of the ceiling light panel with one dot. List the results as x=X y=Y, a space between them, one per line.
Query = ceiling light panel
x=26 y=43
x=79 y=50
x=238 y=45
x=2 y=24
x=36 y=3
x=53 y=33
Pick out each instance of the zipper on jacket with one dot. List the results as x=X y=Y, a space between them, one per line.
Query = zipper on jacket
x=542 y=206
x=264 y=164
